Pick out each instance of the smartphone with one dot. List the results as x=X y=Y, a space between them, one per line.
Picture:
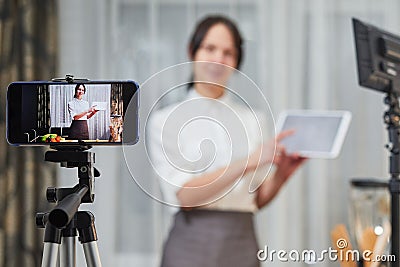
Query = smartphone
x=72 y=113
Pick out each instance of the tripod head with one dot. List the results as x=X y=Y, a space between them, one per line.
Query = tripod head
x=74 y=157
x=69 y=199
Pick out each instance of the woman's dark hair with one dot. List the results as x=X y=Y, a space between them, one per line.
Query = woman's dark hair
x=77 y=87
x=204 y=26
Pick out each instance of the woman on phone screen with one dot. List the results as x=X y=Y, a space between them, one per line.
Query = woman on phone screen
x=80 y=112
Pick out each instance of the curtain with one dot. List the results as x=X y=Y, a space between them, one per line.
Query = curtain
x=28 y=50
x=99 y=123
x=43 y=107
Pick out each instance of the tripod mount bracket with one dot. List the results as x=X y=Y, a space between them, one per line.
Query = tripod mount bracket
x=74 y=157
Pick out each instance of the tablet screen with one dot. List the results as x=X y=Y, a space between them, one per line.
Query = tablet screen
x=318 y=134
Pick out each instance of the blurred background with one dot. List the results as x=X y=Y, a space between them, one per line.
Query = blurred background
x=299 y=52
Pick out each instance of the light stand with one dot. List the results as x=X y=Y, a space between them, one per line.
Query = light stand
x=64 y=221
x=378 y=63
x=392 y=119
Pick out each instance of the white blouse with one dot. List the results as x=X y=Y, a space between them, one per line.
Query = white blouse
x=76 y=106
x=201 y=135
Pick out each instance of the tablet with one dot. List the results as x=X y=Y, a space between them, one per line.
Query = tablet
x=100 y=105
x=318 y=134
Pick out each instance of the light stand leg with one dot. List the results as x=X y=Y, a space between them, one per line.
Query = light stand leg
x=395 y=208
x=52 y=241
x=395 y=230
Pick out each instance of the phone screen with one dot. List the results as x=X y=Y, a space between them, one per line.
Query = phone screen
x=61 y=113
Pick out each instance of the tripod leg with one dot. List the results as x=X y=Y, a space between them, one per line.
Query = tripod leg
x=52 y=240
x=68 y=247
x=88 y=238
x=68 y=252
x=92 y=254
x=50 y=254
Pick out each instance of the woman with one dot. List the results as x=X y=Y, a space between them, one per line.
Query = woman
x=80 y=113
x=214 y=226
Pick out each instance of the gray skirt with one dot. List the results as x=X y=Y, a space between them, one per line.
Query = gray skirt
x=210 y=238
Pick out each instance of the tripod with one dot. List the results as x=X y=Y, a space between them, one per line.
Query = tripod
x=64 y=221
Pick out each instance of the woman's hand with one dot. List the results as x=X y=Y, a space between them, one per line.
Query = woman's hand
x=287 y=164
x=267 y=152
x=91 y=112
